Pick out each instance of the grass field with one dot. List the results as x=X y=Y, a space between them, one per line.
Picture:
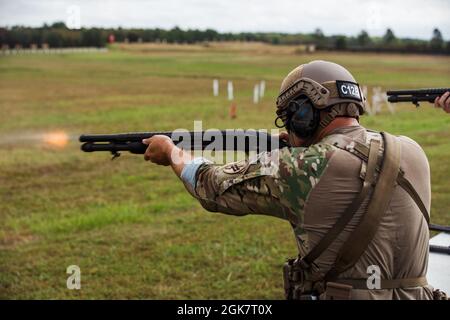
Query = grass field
x=130 y=225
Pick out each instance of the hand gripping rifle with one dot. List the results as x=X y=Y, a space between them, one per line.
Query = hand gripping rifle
x=416 y=95
x=216 y=140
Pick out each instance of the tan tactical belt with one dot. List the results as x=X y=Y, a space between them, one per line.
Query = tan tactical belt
x=361 y=284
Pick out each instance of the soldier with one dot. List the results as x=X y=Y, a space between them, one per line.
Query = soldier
x=357 y=200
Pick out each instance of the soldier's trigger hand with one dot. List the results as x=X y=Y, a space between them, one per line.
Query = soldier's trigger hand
x=159 y=150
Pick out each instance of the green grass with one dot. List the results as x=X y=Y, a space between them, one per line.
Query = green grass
x=130 y=226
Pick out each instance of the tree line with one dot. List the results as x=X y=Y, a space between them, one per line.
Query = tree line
x=57 y=35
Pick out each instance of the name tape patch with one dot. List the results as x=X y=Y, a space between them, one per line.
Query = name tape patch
x=349 y=90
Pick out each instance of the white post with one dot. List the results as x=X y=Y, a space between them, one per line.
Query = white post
x=262 y=88
x=390 y=105
x=368 y=107
x=215 y=87
x=256 y=94
x=377 y=99
x=230 y=90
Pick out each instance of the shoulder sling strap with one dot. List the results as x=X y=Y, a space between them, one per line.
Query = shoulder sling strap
x=344 y=219
x=360 y=238
x=369 y=155
x=362 y=151
x=364 y=233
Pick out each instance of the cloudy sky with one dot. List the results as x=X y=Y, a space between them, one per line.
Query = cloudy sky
x=413 y=18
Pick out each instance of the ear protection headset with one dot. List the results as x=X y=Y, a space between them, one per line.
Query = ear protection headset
x=302 y=117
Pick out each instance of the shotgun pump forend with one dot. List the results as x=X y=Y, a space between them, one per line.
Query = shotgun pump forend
x=416 y=95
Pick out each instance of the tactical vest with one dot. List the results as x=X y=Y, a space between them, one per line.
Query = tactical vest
x=381 y=154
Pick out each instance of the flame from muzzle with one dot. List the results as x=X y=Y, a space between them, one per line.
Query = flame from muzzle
x=51 y=140
x=57 y=140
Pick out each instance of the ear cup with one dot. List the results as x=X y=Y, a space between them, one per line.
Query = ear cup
x=303 y=117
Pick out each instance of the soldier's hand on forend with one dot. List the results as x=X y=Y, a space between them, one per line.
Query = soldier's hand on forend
x=159 y=150
x=443 y=102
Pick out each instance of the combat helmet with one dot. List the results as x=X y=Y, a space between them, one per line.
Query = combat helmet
x=326 y=86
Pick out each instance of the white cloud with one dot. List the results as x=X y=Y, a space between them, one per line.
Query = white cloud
x=414 y=18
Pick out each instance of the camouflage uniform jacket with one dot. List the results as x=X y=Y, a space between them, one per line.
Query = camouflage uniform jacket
x=311 y=187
